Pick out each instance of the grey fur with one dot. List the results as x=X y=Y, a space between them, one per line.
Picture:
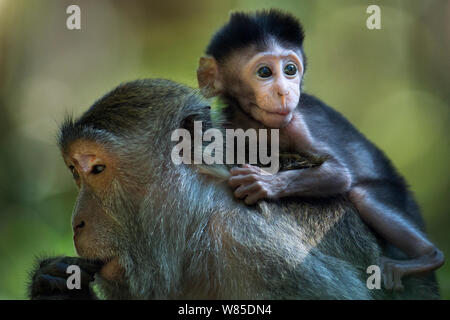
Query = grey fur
x=189 y=238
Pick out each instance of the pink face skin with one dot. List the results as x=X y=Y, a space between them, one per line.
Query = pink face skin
x=274 y=77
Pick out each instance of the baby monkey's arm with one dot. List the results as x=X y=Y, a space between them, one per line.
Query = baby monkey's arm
x=253 y=183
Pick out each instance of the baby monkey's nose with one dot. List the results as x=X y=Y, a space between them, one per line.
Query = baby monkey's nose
x=283 y=98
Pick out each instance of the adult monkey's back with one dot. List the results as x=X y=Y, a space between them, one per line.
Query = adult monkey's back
x=162 y=230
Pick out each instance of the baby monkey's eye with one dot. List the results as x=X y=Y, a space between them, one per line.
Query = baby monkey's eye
x=264 y=72
x=98 y=169
x=290 y=69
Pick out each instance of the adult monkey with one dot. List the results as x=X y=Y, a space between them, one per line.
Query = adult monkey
x=153 y=229
x=256 y=64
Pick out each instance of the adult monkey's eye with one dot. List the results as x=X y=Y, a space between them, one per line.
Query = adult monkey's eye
x=74 y=172
x=290 y=69
x=98 y=169
x=264 y=72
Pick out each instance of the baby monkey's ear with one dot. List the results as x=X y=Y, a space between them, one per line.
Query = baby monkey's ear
x=208 y=77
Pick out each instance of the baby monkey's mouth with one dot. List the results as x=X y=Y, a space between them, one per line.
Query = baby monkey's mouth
x=281 y=112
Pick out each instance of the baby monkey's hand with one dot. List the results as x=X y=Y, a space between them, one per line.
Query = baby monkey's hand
x=253 y=184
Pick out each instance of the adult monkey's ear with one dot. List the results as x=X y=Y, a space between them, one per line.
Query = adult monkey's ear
x=208 y=77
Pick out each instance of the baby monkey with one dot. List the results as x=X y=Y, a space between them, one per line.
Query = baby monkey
x=255 y=64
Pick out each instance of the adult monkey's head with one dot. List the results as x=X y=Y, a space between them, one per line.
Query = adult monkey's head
x=258 y=60
x=117 y=152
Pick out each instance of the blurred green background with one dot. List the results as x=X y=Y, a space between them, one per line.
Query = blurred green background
x=393 y=84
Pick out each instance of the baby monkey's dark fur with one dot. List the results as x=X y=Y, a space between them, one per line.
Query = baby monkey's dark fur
x=353 y=164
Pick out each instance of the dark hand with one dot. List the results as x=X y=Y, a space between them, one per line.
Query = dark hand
x=392 y=274
x=253 y=184
x=49 y=280
x=393 y=270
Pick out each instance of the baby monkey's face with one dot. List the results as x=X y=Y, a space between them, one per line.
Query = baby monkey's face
x=273 y=77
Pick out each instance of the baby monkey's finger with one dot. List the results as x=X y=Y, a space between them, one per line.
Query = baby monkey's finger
x=235 y=171
x=239 y=180
x=253 y=198
x=244 y=190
